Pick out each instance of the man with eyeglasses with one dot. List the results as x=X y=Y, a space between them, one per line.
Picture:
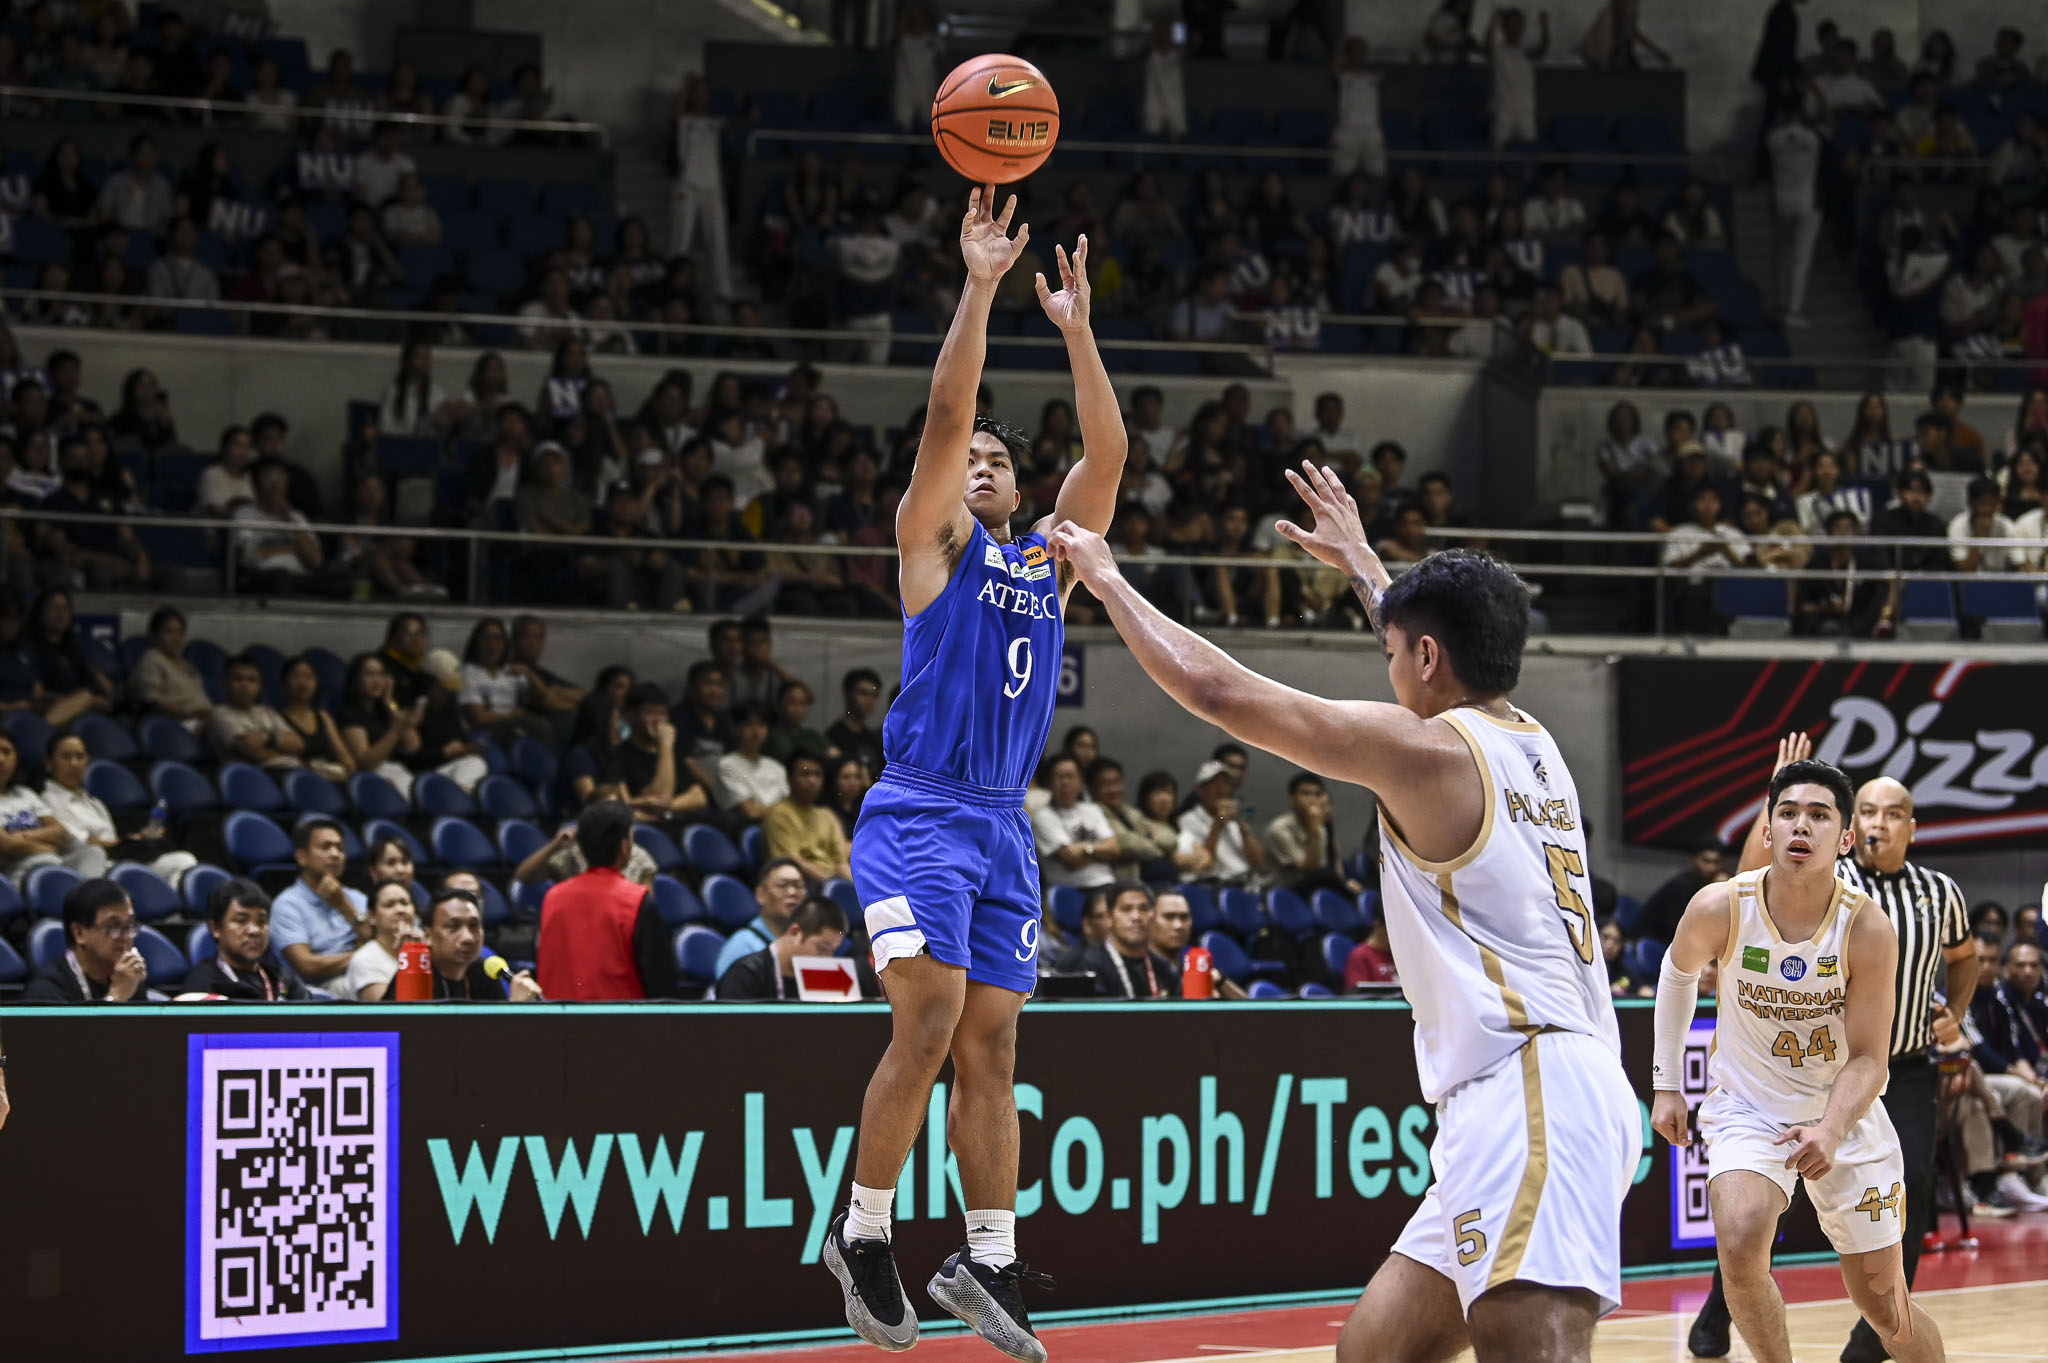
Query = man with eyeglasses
x=100 y=963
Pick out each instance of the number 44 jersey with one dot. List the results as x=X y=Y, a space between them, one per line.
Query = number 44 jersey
x=981 y=668
x=1499 y=943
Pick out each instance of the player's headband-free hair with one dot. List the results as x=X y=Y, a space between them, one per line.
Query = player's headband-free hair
x=1012 y=438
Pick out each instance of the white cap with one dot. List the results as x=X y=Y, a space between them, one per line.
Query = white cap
x=1209 y=771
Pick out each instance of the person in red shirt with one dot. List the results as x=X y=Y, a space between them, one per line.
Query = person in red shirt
x=1371 y=961
x=601 y=935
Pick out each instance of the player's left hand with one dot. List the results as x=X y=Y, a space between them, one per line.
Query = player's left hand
x=1813 y=1150
x=1085 y=551
x=1068 y=308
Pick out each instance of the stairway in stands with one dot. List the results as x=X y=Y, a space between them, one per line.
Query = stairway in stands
x=1839 y=320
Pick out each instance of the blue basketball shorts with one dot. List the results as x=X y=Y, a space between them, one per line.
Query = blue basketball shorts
x=952 y=870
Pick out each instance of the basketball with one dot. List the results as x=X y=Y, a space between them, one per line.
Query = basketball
x=995 y=118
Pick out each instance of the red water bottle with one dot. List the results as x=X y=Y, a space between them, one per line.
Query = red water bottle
x=415 y=980
x=1197 y=974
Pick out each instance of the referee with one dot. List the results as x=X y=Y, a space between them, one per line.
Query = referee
x=1936 y=957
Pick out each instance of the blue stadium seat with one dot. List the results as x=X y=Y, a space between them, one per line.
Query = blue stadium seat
x=309 y=792
x=151 y=894
x=405 y=456
x=697 y=949
x=1760 y=605
x=116 y=787
x=1335 y=913
x=731 y=903
x=677 y=902
x=1368 y=910
x=13 y=970
x=199 y=943
x=376 y=798
x=496 y=910
x=504 y=198
x=659 y=845
x=1242 y=913
x=463 y=231
x=332 y=672
x=1290 y=913
x=518 y=839
x=528 y=237
x=46 y=887
x=1229 y=958
x=528 y=896
x=1642 y=958
x=46 y=943
x=37 y=241
x=106 y=739
x=1068 y=904
x=754 y=846
x=243 y=786
x=166 y=740
x=379 y=828
x=710 y=851
x=255 y=843
x=1312 y=990
x=436 y=795
x=167 y=965
x=1202 y=909
x=12 y=905
x=1628 y=913
x=2002 y=602
x=535 y=762
x=1337 y=949
x=458 y=842
x=1265 y=989
x=421 y=265
x=182 y=789
x=198 y=883
x=504 y=797
x=1928 y=609
x=838 y=890
x=31 y=735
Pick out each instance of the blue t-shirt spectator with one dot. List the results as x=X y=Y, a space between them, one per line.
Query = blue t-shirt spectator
x=300 y=917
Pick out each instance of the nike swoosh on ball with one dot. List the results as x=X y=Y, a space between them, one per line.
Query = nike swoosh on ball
x=998 y=90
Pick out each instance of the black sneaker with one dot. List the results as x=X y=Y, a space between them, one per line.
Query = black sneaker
x=988 y=1300
x=866 y=1270
x=1708 y=1337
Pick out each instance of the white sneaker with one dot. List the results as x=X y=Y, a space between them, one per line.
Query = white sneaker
x=2015 y=1190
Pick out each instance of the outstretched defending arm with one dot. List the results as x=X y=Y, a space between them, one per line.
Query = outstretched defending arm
x=1088 y=496
x=1421 y=770
x=931 y=521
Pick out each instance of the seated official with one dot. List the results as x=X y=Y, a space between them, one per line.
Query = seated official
x=1173 y=923
x=777 y=890
x=317 y=922
x=601 y=935
x=100 y=962
x=242 y=968
x=394 y=921
x=1124 y=963
x=816 y=929
x=455 y=945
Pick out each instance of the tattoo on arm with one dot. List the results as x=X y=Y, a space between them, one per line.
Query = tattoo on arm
x=1369 y=597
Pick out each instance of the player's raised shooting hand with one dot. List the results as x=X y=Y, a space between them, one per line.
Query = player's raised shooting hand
x=1085 y=551
x=1068 y=308
x=1668 y=1117
x=1339 y=535
x=985 y=241
x=1813 y=1150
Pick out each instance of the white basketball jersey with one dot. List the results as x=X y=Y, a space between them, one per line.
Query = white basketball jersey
x=1778 y=1037
x=1499 y=943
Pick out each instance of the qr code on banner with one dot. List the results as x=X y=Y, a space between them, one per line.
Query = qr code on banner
x=291 y=1206
x=1692 y=1217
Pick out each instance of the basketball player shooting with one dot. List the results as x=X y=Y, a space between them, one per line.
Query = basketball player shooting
x=1516 y=1249
x=1805 y=1026
x=943 y=857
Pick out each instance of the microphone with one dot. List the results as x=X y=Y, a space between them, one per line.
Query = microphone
x=499 y=969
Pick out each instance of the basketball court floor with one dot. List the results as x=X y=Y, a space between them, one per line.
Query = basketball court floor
x=1990 y=1304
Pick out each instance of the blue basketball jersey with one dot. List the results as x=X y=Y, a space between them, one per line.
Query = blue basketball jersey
x=981 y=667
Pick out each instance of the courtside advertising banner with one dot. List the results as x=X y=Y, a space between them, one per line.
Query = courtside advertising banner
x=1968 y=739
x=502 y=1180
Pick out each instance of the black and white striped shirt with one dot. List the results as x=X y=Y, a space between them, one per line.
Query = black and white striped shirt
x=1929 y=916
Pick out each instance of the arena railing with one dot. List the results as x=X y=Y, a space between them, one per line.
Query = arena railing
x=1258 y=354
x=477 y=542
x=1533 y=156
x=1828 y=371
x=347 y=115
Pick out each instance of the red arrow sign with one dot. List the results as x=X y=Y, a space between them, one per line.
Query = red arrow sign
x=826 y=978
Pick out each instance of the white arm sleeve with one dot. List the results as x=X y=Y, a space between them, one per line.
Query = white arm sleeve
x=1677 y=996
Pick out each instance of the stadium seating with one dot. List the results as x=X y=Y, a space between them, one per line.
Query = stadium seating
x=731 y=903
x=149 y=892
x=46 y=887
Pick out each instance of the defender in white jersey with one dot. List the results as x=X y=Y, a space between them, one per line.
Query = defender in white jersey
x=1800 y=1046
x=1516 y=1250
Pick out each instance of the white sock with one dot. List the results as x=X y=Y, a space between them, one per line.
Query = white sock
x=868 y=1215
x=992 y=1237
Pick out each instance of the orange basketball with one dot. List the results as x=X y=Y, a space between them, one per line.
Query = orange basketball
x=995 y=118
